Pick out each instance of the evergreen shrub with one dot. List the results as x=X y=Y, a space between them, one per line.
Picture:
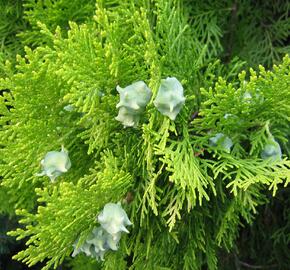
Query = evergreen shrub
x=208 y=189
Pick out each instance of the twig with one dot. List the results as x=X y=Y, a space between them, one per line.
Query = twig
x=233 y=22
x=238 y=263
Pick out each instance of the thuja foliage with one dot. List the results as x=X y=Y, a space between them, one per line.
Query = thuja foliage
x=20 y=19
x=11 y=23
x=189 y=183
x=256 y=31
x=52 y=14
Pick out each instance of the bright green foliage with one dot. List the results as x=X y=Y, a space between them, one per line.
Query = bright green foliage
x=52 y=14
x=82 y=262
x=186 y=198
x=71 y=211
x=20 y=21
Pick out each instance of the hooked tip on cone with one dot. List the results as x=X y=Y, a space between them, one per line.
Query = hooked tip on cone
x=119 y=89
